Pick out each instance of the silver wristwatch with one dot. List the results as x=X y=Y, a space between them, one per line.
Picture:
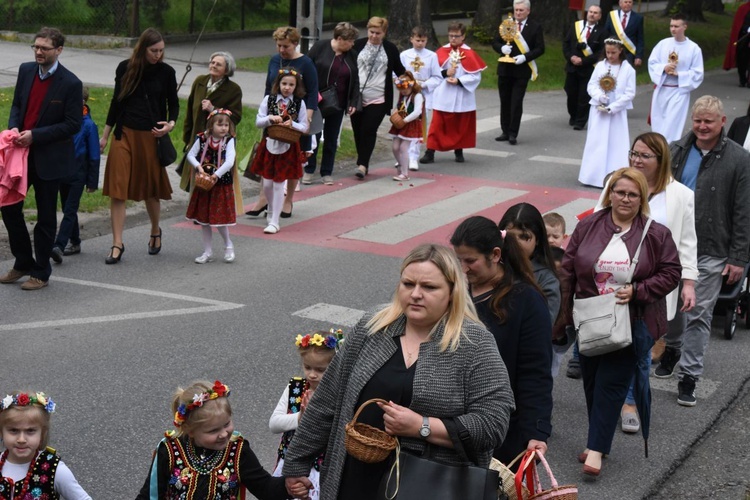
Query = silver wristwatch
x=424 y=431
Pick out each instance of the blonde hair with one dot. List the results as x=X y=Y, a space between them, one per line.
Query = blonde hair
x=631 y=174
x=378 y=22
x=198 y=416
x=320 y=350
x=32 y=412
x=708 y=104
x=460 y=307
x=286 y=33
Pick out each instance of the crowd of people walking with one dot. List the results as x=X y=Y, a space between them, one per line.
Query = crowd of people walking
x=462 y=361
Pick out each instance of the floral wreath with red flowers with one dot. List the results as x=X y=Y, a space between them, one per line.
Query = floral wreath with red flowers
x=331 y=341
x=219 y=390
x=28 y=399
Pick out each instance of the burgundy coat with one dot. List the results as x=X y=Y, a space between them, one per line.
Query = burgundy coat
x=657 y=273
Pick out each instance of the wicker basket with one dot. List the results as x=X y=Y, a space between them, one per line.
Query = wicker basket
x=204 y=181
x=508 y=478
x=397 y=119
x=365 y=442
x=555 y=492
x=283 y=133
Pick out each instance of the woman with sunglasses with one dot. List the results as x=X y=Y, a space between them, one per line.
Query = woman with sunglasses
x=597 y=261
x=287 y=44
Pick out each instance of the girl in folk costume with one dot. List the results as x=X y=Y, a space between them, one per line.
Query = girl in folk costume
x=411 y=108
x=213 y=153
x=30 y=469
x=205 y=458
x=278 y=161
x=612 y=89
x=317 y=351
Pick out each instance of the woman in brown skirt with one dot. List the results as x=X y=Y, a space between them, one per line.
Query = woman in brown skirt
x=145 y=94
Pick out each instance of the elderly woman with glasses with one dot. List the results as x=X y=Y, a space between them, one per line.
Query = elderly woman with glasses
x=597 y=261
x=671 y=204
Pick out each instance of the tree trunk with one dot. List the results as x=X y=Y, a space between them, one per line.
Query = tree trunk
x=403 y=16
x=693 y=9
x=553 y=15
x=715 y=6
x=488 y=17
x=120 y=11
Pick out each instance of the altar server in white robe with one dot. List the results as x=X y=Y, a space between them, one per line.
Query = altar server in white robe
x=607 y=138
x=676 y=68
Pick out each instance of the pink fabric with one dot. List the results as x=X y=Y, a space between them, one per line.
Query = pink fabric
x=13 y=171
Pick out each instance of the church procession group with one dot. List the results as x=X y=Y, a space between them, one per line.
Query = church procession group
x=601 y=51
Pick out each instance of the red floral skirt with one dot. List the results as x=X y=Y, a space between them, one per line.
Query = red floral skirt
x=278 y=167
x=214 y=208
x=412 y=130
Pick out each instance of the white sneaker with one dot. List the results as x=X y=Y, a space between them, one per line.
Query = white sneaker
x=413 y=165
x=271 y=229
x=206 y=257
x=307 y=178
x=328 y=180
x=229 y=254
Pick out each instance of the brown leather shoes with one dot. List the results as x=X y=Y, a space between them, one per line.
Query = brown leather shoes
x=34 y=284
x=12 y=276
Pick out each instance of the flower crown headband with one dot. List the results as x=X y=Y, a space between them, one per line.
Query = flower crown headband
x=219 y=111
x=26 y=399
x=403 y=83
x=289 y=71
x=219 y=390
x=613 y=41
x=331 y=341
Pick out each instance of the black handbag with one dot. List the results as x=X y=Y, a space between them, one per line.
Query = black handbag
x=329 y=101
x=418 y=478
x=165 y=150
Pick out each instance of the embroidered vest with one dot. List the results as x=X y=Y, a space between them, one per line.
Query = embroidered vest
x=223 y=479
x=292 y=109
x=297 y=388
x=212 y=157
x=42 y=480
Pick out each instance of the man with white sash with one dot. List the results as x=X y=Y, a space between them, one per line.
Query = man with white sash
x=513 y=78
x=628 y=27
x=676 y=68
x=582 y=47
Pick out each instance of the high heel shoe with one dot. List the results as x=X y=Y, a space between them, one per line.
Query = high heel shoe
x=153 y=249
x=111 y=259
x=287 y=215
x=255 y=213
x=591 y=471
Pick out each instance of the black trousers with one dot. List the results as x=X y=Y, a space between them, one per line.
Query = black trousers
x=578 y=97
x=365 y=125
x=512 y=91
x=45 y=194
x=743 y=58
x=331 y=128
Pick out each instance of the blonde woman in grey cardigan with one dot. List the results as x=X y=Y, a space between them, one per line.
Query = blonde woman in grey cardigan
x=427 y=355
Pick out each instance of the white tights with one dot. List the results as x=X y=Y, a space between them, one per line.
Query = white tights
x=274 y=192
x=401 y=153
x=222 y=230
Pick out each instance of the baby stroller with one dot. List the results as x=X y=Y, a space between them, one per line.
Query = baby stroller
x=733 y=303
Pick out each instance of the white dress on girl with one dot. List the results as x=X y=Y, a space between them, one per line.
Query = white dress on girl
x=607 y=139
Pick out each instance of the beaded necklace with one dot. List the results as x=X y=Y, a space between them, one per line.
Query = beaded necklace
x=203 y=464
x=25 y=487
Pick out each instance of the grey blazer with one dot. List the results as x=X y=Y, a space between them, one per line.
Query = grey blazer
x=470 y=384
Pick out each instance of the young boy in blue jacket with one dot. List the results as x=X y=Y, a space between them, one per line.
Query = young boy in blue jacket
x=68 y=241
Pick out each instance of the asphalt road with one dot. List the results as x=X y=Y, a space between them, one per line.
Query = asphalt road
x=111 y=343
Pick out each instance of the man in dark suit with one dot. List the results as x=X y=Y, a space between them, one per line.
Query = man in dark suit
x=628 y=27
x=47 y=113
x=582 y=47
x=512 y=79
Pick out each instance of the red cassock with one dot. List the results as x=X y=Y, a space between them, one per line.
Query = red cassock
x=730 y=55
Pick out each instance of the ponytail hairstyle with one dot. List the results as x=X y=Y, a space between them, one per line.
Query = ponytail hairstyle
x=526 y=217
x=481 y=234
x=137 y=63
